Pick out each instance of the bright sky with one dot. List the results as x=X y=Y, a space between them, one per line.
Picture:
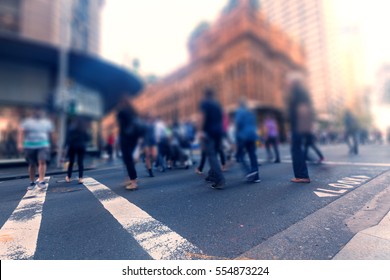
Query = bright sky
x=154 y=31
x=157 y=31
x=373 y=18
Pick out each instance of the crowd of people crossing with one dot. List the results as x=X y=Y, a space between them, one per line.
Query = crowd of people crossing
x=221 y=138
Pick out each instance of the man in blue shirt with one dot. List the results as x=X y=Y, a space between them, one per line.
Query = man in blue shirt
x=246 y=133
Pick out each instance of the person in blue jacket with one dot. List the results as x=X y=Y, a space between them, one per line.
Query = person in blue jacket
x=246 y=134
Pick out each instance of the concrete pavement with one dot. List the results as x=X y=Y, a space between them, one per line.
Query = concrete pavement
x=370 y=244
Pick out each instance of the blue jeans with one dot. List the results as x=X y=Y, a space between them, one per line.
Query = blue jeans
x=212 y=146
x=248 y=146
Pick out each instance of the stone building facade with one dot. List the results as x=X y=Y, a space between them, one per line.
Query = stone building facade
x=240 y=55
x=40 y=20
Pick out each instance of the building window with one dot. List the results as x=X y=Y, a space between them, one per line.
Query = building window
x=9 y=16
x=80 y=25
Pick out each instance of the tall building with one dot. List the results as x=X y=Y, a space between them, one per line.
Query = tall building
x=240 y=55
x=380 y=100
x=42 y=20
x=31 y=33
x=313 y=23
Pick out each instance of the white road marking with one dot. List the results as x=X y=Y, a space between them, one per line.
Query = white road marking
x=19 y=235
x=332 y=191
x=158 y=240
x=321 y=194
x=343 y=185
x=362 y=177
x=373 y=164
x=357 y=163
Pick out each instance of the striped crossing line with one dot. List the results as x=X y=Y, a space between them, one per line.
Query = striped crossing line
x=158 y=240
x=19 y=235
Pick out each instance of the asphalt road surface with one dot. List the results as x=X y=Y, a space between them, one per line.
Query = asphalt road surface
x=176 y=215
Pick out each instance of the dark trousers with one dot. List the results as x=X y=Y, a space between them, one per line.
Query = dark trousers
x=272 y=141
x=298 y=156
x=203 y=158
x=248 y=147
x=110 y=151
x=80 y=152
x=310 y=143
x=128 y=145
x=212 y=146
x=163 y=153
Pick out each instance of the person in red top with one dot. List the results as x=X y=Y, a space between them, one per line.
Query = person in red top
x=110 y=145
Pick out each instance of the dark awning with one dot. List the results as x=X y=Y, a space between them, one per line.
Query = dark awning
x=108 y=79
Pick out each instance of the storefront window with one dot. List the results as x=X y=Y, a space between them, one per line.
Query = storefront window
x=10 y=120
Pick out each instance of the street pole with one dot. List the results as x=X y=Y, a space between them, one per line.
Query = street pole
x=61 y=90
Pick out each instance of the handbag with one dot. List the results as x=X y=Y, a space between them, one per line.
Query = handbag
x=135 y=128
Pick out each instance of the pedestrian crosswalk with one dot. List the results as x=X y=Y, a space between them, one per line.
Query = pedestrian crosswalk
x=158 y=240
x=19 y=235
x=164 y=220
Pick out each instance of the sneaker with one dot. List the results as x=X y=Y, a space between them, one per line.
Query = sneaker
x=209 y=179
x=31 y=186
x=300 y=180
x=251 y=176
x=42 y=185
x=218 y=186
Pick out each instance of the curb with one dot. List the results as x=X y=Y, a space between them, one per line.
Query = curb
x=324 y=233
x=370 y=244
x=16 y=177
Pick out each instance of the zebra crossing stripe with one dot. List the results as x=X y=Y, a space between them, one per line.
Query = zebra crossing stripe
x=158 y=240
x=19 y=235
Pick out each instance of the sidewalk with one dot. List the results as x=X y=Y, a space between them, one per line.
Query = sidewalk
x=20 y=171
x=369 y=244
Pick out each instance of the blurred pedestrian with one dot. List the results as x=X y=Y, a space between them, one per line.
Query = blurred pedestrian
x=76 y=142
x=162 y=139
x=300 y=113
x=271 y=138
x=212 y=132
x=150 y=144
x=110 y=146
x=246 y=130
x=310 y=142
x=11 y=139
x=130 y=131
x=34 y=137
x=351 y=132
